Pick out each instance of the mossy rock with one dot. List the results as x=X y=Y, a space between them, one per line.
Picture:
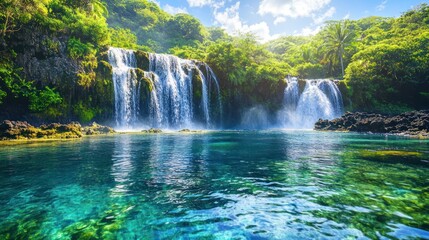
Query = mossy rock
x=392 y=156
x=186 y=130
x=390 y=153
x=143 y=61
x=152 y=130
x=142 y=77
x=97 y=129
x=197 y=82
x=104 y=70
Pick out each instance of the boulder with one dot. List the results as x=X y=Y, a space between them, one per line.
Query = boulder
x=97 y=129
x=409 y=123
x=152 y=130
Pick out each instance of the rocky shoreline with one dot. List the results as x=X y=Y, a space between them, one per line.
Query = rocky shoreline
x=415 y=123
x=21 y=130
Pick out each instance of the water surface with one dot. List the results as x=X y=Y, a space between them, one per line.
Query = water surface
x=218 y=185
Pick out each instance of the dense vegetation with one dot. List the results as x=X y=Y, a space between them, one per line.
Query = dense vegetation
x=53 y=57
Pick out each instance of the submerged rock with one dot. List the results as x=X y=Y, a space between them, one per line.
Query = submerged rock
x=409 y=123
x=186 y=130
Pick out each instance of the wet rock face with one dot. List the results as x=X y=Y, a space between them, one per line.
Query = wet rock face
x=43 y=57
x=410 y=123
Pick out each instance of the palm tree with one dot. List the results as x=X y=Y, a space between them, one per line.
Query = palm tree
x=338 y=35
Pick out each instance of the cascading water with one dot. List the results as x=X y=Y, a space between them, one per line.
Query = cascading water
x=291 y=95
x=173 y=90
x=171 y=100
x=320 y=98
x=126 y=86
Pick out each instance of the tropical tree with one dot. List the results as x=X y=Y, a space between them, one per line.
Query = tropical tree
x=15 y=12
x=337 y=36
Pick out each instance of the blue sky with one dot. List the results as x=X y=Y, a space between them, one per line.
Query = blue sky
x=269 y=19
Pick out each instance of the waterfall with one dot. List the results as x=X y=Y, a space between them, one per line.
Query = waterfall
x=173 y=91
x=126 y=86
x=171 y=102
x=320 y=98
x=291 y=95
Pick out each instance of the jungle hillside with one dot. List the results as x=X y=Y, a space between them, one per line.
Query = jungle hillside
x=54 y=66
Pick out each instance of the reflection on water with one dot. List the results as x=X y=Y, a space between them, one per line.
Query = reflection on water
x=221 y=185
x=122 y=164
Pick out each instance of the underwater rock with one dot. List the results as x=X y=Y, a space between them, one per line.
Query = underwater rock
x=186 y=130
x=410 y=123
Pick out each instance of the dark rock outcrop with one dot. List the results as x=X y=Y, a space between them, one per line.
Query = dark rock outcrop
x=43 y=57
x=409 y=123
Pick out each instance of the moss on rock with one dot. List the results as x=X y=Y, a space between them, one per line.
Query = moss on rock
x=97 y=129
x=144 y=79
x=143 y=61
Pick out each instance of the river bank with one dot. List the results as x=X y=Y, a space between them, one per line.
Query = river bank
x=21 y=130
x=415 y=123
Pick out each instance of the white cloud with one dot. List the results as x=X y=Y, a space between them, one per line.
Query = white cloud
x=279 y=20
x=308 y=31
x=231 y=22
x=347 y=16
x=199 y=3
x=321 y=18
x=211 y=3
x=174 y=10
x=291 y=8
x=382 y=5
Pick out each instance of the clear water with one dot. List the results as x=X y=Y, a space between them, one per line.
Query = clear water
x=218 y=185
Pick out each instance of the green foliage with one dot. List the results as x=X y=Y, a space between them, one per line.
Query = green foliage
x=186 y=27
x=390 y=73
x=123 y=38
x=189 y=52
x=14 y=13
x=41 y=100
x=310 y=70
x=217 y=34
x=337 y=36
x=84 y=113
x=18 y=89
x=283 y=44
x=76 y=49
x=12 y=84
x=154 y=28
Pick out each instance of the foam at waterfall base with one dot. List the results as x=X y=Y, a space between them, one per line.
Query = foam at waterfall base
x=320 y=98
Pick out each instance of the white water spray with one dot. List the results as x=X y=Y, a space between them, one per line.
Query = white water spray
x=126 y=86
x=320 y=98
